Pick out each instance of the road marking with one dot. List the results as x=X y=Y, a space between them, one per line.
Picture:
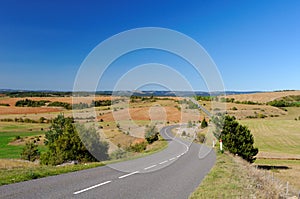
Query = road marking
x=129 y=174
x=150 y=167
x=176 y=140
x=92 y=187
x=172 y=159
x=178 y=156
x=164 y=162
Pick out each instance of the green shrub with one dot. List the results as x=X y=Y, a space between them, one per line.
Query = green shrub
x=151 y=134
x=30 y=152
x=200 y=137
x=118 y=154
x=61 y=104
x=204 y=123
x=190 y=124
x=234 y=108
x=138 y=147
x=65 y=143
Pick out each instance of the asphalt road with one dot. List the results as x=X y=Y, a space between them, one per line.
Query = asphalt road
x=172 y=173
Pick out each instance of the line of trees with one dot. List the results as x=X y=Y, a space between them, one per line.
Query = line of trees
x=283 y=103
x=31 y=103
x=68 y=106
x=38 y=94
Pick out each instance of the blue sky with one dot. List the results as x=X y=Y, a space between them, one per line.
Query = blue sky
x=255 y=44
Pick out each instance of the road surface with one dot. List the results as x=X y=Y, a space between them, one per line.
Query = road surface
x=172 y=173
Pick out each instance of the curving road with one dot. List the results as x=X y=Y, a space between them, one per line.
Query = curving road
x=172 y=173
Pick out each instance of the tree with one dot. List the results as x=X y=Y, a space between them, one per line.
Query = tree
x=30 y=152
x=237 y=138
x=204 y=123
x=190 y=124
x=67 y=142
x=200 y=137
x=151 y=134
x=58 y=125
x=42 y=119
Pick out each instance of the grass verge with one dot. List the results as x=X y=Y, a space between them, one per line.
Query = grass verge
x=224 y=181
x=232 y=177
x=8 y=176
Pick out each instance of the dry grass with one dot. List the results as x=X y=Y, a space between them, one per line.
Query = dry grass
x=15 y=163
x=243 y=110
x=291 y=175
x=274 y=136
x=161 y=110
x=27 y=110
x=262 y=97
x=232 y=177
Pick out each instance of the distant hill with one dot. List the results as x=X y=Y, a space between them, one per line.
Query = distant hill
x=50 y=93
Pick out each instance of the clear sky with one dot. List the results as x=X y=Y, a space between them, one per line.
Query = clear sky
x=255 y=44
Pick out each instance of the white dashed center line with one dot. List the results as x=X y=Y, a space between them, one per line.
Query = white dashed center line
x=129 y=174
x=92 y=187
x=164 y=162
x=150 y=167
x=132 y=173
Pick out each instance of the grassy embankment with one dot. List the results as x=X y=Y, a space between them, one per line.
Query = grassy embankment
x=232 y=177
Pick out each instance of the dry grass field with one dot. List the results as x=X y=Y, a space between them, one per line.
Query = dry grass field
x=275 y=138
x=263 y=97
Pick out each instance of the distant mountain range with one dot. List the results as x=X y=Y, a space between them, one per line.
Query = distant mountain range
x=127 y=93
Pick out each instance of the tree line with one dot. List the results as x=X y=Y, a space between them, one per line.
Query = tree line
x=68 y=106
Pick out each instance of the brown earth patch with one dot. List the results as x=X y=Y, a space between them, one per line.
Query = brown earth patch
x=171 y=114
x=27 y=110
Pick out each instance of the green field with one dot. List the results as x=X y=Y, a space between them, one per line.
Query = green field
x=9 y=131
x=280 y=136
